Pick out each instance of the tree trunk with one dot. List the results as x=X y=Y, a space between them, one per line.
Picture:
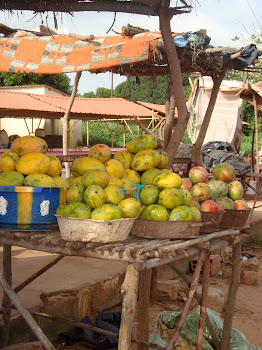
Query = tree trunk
x=176 y=78
x=196 y=148
x=170 y=115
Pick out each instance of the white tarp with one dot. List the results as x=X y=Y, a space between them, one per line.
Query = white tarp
x=226 y=117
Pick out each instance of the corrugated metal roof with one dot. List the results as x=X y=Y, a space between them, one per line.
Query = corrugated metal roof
x=14 y=104
x=153 y=106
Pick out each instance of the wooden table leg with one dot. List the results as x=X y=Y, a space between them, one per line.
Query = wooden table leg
x=6 y=302
x=203 y=305
x=153 y=292
x=143 y=307
x=129 y=290
x=231 y=299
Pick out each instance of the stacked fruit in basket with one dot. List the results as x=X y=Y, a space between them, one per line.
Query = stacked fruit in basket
x=28 y=165
x=218 y=191
x=97 y=181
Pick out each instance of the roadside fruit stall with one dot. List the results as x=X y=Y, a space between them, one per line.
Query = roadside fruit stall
x=128 y=207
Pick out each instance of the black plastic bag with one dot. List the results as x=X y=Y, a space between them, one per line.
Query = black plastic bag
x=222 y=152
x=107 y=321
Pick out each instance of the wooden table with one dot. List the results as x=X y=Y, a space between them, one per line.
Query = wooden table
x=143 y=257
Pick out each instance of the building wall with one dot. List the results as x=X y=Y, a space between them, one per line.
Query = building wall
x=27 y=126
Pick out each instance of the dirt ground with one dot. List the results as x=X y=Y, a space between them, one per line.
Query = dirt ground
x=248 y=309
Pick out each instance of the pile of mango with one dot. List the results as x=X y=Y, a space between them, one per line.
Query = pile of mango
x=28 y=165
x=97 y=181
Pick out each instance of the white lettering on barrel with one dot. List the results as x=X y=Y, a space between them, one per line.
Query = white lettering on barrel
x=3 y=205
x=44 y=208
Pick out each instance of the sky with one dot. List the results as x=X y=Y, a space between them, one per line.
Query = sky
x=223 y=20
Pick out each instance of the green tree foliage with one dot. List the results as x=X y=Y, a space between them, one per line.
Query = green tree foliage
x=57 y=81
x=90 y=94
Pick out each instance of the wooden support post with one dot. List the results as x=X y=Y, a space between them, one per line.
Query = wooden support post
x=6 y=302
x=26 y=315
x=198 y=298
x=203 y=306
x=153 y=295
x=143 y=307
x=129 y=290
x=191 y=294
x=65 y=121
x=256 y=132
x=231 y=299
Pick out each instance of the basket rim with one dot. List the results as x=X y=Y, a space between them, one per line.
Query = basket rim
x=98 y=221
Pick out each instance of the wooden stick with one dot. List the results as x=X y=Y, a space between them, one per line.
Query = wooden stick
x=203 y=307
x=129 y=290
x=65 y=121
x=198 y=298
x=26 y=315
x=6 y=302
x=231 y=299
x=153 y=296
x=143 y=307
x=256 y=127
x=95 y=329
x=191 y=294
x=37 y=274
x=195 y=241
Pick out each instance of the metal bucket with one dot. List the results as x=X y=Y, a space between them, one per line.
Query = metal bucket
x=87 y=230
x=233 y=218
x=210 y=221
x=165 y=229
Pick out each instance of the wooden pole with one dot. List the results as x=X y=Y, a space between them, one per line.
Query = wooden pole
x=231 y=299
x=37 y=274
x=256 y=128
x=170 y=115
x=65 y=121
x=143 y=307
x=26 y=315
x=153 y=295
x=129 y=290
x=191 y=294
x=198 y=298
x=203 y=305
x=176 y=78
x=196 y=148
x=6 y=302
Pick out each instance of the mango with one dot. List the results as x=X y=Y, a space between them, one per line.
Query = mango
x=8 y=161
x=39 y=180
x=29 y=144
x=141 y=143
x=145 y=159
x=33 y=163
x=55 y=167
x=11 y=178
x=125 y=158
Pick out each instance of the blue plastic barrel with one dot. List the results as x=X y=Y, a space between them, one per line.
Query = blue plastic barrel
x=29 y=208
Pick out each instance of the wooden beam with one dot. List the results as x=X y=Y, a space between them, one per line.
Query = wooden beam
x=188 y=303
x=117 y=6
x=231 y=299
x=256 y=132
x=65 y=121
x=26 y=315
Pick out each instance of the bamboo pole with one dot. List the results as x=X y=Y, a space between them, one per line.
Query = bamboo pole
x=6 y=301
x=256 y=128
x=203 y=305
x=231 y=299
x=129 y=290
x=191 y=294
x=65 y=121
x=26 y=315
x=143 y=307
